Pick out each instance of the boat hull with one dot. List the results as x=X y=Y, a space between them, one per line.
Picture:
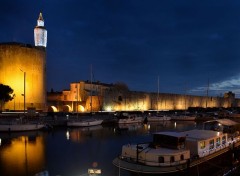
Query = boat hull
x=130 y=120
x=158 y=119
x=20 y=127
x=183 y=118
x=84 y=123
x=189 y=166
x=145 y=169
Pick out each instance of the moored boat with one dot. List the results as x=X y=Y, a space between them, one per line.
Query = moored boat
x=17 y=125
x=126 y=118
x=183 y=117
x=84 y=122
x=157 y=118
x=171 y=152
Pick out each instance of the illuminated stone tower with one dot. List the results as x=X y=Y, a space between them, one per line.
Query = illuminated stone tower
x=40 y=33
x=23 y=68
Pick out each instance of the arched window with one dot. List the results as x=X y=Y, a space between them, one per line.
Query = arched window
x=172 y=159
x=182 y=157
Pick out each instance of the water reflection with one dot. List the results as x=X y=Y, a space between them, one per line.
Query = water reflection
x=72 y=151
x=81 y=133
x=171 y=126
x=130 y=127
x=22 y=155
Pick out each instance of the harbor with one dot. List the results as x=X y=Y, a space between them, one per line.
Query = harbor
x=64 y=150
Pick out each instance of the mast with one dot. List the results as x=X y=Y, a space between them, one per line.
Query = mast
x=158 y=94
x=91 y=88
x=77 y=100
x=207 y=94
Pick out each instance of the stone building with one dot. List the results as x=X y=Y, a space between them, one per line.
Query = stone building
x=83 y=96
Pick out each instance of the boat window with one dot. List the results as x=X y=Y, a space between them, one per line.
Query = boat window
x=224 y=140
x=202 y=144
x=211 y=144
x=161 y=159
x=218 y=142
x=172 y=159
x=182 y=157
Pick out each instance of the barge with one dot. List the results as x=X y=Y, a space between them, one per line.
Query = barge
x=172 y=152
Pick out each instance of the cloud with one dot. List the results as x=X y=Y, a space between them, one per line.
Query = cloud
x=221 y=87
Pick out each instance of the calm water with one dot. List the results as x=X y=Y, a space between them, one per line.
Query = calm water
x=71 y=151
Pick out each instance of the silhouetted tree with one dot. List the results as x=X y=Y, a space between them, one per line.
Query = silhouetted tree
x=5 y=94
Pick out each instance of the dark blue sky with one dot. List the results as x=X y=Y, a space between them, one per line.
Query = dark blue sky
x=185 y=43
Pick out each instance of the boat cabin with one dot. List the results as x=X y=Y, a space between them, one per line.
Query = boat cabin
x=171 y=140
x=223 y=125
x=166 y=149
x=204 y=142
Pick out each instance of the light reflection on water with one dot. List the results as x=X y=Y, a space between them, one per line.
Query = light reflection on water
x=72 y=151
x=20 y=152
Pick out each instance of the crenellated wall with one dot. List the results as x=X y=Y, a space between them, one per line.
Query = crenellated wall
x=131 y=101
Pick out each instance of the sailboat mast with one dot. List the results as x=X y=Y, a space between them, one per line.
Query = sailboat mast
x=91 y=89
x=207 y=94
x=158 y=94
x=77 y=100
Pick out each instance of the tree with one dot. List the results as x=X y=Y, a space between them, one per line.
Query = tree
x=5 y=94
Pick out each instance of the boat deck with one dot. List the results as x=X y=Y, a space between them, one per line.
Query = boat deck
x=140 y=168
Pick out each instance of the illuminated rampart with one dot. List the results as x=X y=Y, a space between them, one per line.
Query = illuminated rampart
x=15 y=59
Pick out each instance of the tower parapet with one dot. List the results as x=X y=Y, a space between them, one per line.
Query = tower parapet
x=40 y=32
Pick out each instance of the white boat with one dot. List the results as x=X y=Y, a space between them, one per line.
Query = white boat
x=19 y=125
x=126 y=118
x=157 y=118
x=84 y=122
x=171 y=152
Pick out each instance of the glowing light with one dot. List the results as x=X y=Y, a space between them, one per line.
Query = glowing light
x=54 y=109
x=109 y=108
x=81 y=108
x=175 y=124
x=94 y=171
x=149 y=126
x=0 y=141
x=67 y=135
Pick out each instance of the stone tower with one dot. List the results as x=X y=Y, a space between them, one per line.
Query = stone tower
x=40 y=33
x=23 y=68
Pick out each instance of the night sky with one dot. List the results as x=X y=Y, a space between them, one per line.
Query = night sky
x=185 y=43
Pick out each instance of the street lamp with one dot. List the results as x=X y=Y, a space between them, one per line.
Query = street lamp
x=24 y=91
x=13 y=96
